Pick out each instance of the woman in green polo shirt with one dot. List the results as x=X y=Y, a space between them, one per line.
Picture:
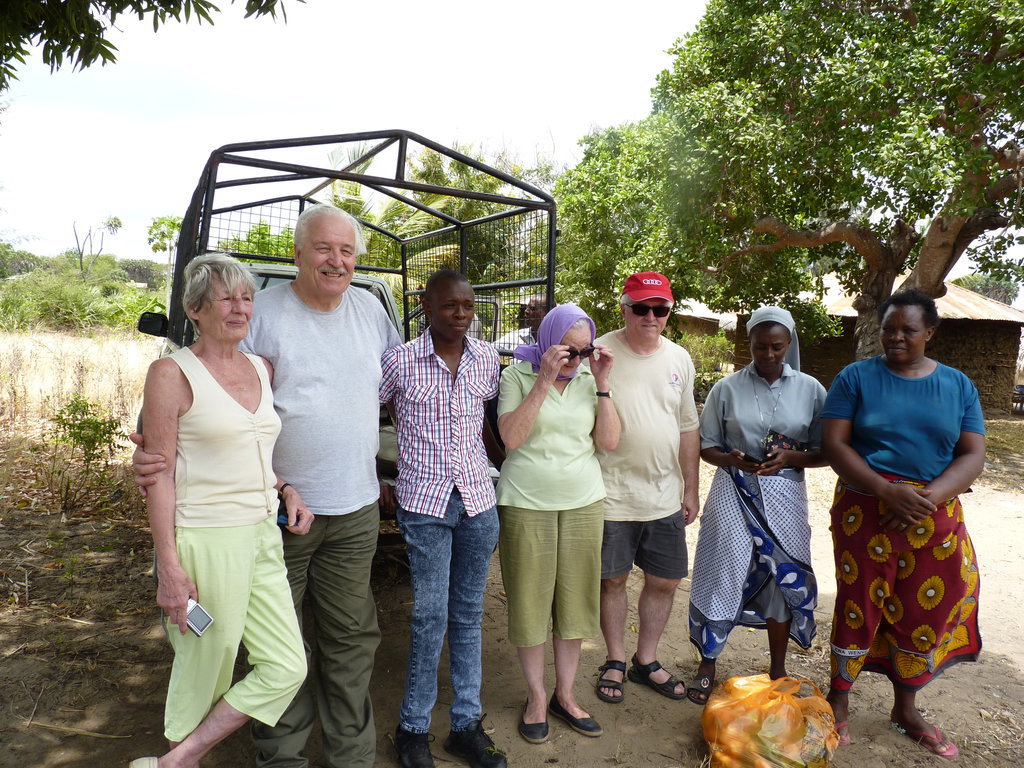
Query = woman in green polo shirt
x=551 y=414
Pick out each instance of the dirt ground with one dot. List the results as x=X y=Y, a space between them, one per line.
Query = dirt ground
x=83 y=663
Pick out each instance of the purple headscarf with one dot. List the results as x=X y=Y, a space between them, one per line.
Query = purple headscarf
x=552 y=328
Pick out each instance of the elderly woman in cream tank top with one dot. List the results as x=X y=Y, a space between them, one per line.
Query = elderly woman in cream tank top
x=213 y=515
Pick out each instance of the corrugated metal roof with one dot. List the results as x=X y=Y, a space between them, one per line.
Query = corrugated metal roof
x=958 y=304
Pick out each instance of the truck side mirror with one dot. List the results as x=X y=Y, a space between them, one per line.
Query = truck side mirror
x=153 y=323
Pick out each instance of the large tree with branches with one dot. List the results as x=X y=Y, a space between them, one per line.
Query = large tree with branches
x=77 y=30
x=860 y=137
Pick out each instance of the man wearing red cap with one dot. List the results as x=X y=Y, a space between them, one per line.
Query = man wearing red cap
x=651 y=481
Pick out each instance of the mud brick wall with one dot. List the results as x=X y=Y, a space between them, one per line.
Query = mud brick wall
x=695 y=326
x=986 y=350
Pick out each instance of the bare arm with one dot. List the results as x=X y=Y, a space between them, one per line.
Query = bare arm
x=607 y=427
x=495 y=454
x=386 y=502
x=689 y=464
x=145 y=465
x=166 y=396
x=777 y=459
x=719 y=458
x=300 y=519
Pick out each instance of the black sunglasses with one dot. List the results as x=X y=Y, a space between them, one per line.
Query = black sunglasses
x=583 y=354
x=643 y=309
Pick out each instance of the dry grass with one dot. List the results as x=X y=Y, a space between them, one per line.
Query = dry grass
x=1004 y=442
x=40 y=371
x=1005 y=435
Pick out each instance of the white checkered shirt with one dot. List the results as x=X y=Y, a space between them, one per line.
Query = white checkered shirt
x=440 y=418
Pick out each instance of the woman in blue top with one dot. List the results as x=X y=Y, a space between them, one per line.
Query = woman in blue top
x=905 y=435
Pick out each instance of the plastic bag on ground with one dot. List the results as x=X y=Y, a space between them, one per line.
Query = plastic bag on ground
x=757 y=722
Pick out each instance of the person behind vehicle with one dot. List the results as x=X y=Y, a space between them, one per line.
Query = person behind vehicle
x=437 y=385
x=530 y=315
x=213 y=516
x=552 y=414
x=906 y=436
x=652 y=484
x=761 y=427
x=325 y=343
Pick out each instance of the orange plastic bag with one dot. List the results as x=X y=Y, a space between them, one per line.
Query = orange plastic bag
x=757 y=722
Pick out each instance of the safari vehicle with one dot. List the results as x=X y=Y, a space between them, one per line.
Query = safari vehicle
x=495 y=229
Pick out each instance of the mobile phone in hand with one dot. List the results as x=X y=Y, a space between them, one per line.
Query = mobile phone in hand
x=196 y=617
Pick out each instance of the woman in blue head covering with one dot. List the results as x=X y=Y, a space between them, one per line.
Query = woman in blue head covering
x=552 y=411
x=761 y=427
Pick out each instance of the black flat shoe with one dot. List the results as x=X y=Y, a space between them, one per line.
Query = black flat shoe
x=535 y=733
x=586 y=725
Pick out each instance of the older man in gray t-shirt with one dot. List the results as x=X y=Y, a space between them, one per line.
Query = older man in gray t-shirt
x=325 y=343
x=326 y=376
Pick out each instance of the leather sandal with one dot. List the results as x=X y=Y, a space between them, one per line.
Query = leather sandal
x=606 y=682
x=699 y=691
x=641 y=673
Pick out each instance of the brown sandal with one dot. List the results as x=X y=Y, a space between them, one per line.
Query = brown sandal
x=699 y=691
x=641 y=673
x=606 y=682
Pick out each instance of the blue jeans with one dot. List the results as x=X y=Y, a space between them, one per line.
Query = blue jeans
x=449 y=558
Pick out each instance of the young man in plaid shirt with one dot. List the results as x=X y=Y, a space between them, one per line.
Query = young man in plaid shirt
x=437 y=385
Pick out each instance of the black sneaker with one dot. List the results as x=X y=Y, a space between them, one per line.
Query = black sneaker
x=475 y=747
x=413 y=749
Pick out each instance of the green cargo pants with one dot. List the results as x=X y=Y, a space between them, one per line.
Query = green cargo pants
x=332 y=564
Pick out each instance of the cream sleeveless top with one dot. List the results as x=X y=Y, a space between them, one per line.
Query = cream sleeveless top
x=223 y=473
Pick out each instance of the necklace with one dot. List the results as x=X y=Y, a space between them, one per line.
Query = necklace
x=760 y=414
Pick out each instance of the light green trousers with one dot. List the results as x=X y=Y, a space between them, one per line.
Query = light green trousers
x=241 y=579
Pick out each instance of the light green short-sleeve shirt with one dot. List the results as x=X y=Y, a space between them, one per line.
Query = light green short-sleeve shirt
x=556 y=467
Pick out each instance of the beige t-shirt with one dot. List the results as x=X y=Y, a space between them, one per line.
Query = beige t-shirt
x=654 y=399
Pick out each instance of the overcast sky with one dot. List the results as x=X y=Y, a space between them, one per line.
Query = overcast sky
x=130 y=139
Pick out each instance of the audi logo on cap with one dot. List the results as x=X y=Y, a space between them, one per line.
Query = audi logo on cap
x=650 y=281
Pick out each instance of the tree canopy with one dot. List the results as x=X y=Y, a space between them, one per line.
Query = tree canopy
x=996 y=288
x=791 y=139
x=78 y=30
x=14 y=261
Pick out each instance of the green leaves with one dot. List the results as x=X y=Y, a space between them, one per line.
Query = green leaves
x=896 y=120
x=77 y=29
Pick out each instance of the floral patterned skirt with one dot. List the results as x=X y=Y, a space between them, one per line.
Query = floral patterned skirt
x=906 y=601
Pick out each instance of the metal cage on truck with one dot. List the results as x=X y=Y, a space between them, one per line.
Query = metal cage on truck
x=495 y=229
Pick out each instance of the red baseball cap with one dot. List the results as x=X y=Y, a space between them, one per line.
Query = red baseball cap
x=648 y=285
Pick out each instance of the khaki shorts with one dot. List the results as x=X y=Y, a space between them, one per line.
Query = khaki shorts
x=551 y=567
